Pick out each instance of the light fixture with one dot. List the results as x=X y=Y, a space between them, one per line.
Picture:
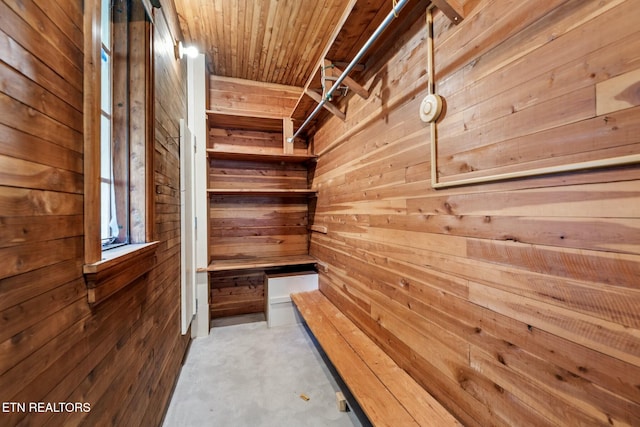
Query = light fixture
x=181 y=51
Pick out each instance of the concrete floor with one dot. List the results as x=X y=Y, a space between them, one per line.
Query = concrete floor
x=251 y=375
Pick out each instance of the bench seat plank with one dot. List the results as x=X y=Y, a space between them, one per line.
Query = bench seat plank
x=260 y=262
x=389 y=396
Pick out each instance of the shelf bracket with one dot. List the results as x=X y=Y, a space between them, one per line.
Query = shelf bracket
x=453 y=9
x=327 y=105
x=326 y=74
x=397 y=7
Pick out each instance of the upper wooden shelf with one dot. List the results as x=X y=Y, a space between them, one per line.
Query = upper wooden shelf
x=259 y=263
x=264 y=157
x=297 y=192
x=222 y=120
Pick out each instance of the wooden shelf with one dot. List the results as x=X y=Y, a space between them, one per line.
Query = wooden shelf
x=258 y=185
x=230 y=121
x=263 y=157
x=261 y=192
x=259 y=263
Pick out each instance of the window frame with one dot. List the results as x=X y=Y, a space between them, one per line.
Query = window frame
x=110 y=270
x=115 y=49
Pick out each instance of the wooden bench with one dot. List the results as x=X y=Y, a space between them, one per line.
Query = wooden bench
x=385 y=392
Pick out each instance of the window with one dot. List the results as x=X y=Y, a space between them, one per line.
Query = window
x=118 y=109
x=114 y=166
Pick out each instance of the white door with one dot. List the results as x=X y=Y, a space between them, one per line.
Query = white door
x=187 y=226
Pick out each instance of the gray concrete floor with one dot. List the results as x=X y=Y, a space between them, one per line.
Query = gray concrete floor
x=251 y=375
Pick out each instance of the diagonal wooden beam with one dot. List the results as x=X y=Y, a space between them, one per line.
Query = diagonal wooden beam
x=329 y=106
x=351 y=84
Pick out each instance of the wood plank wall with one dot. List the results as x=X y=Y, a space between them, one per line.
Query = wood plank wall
x=252 y=226
x=513 y=302
x=123 y=356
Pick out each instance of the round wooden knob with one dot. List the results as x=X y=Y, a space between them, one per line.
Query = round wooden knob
x=430 y=108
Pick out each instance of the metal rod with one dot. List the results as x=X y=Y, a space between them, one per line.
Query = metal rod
x=430 y=67
x=354 y=62
x=431 y=89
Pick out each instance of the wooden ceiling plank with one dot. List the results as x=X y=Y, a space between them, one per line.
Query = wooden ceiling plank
x=219 y=23
x=293 y=25
x=185 y=19
x=343 y=18
x=212 y=48
x=222 y=52
x=283 y=39
x=247 y=19
x=201 y=11
x=319 y=22
x=338 y=18
x=242 y=41
x=302 y=37
x=258 y=40
x=273 y=31
x=229 y=26
x=314 y=17
x=235 y=28
x=205 y=10
x=327 y=20
x=268 y=32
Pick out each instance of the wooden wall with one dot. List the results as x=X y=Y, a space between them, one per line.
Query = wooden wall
x=123 y=356
x=513 y=302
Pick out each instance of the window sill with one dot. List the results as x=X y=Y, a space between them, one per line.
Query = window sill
x=118 y=268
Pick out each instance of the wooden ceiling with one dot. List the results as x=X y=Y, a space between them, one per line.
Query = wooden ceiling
x=285 y=41
x=276 y=41
x=279 y=41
